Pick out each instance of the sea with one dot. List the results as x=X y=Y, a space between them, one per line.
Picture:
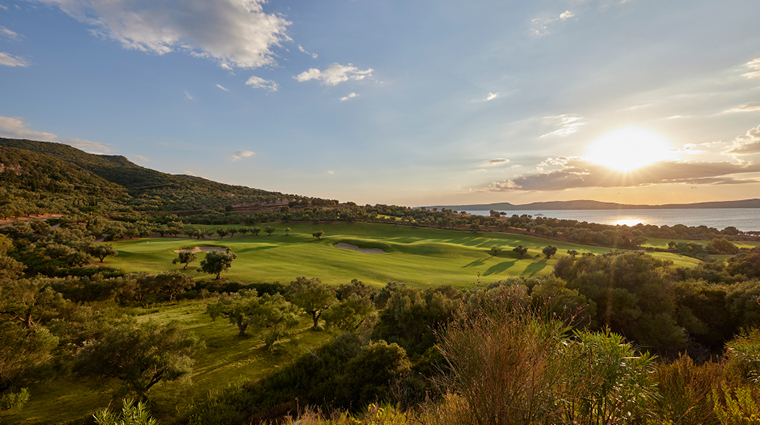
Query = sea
x=744 y=219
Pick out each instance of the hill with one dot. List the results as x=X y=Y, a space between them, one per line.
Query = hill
x=596 y=205
x=148 y=190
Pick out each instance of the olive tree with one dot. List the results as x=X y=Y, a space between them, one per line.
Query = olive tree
x=312 y=296
x=217 y=262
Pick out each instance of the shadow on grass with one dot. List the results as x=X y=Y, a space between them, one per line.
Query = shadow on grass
x=476 y=263
x=534 y=268
x=500 y=267
x=257 y=248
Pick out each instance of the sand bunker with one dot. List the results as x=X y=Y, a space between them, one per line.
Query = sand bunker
x=357 y=249
x=203 y=248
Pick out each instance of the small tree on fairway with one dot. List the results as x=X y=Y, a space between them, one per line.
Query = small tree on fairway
x=102 y=251
x=474 y=228
x=572 y=252
x=549 y=251
x=184 y=257
x=287 y=229
x=270 y=230
x=318 y=234
x=312 y=296
x=520 y=250
x=222 y=232
x=495 y=251
x=255 y=231
x=217 y=262
x=173 y=283
x=232 y=231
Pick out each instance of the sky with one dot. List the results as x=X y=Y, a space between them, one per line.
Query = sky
x=414 y=102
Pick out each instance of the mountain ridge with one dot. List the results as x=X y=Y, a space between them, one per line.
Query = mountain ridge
x=585 y=204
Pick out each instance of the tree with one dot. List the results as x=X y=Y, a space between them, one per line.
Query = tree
x=572 y=252
x=197 y=232
x=520 y=250
x=287 y=229
x=318 y=234
x=140 y=355
x=222 y=232
x=102 y=251
x=549 y=251
x=312 y=296
x=217 y=262
x=173 y=283
x=495 y=251
x=247 y=309
x=348 y=313
x=184 y=257
x=255 y=231
x=232 y=231
x=270 y=230
x=722 y=246
x=474 y=228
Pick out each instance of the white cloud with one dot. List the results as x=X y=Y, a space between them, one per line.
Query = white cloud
x=754 y=66
x=541 y=25
x=335 y=74
x=6 y=59
x=141 y=158
x=87 y=145
x=566 y=15
x=674 y=117
x=313 y=55
x=8 y=33
x=330 y=172
x=16 y=128
x=241 y=154
x=260 y=83
x=188 y=95
x=491 y=96
x=568 y=124
x=350 y=96
x=3 y=7
x=222 y=87
x=231 y=32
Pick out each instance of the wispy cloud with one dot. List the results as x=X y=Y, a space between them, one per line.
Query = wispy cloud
x=540 y=26
x=187 y=94
x=222 y=87
x=313 y=55
x=568 y=124
x=744 y=108
x=260 y=83
x=7 y=59
x=230 y=32
x=349 y=96
x=5 y=32
x=141 y=158
x=754 y=67
x=495 y=161
x=88 y=145
x=241 y=154
x=330 y=172
x=335 y=74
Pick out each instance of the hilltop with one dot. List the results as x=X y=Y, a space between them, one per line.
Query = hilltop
x=596 y=205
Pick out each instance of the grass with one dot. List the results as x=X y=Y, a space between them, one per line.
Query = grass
x=226 y=360
x=417 y=256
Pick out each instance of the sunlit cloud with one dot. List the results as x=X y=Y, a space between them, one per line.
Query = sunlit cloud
x=141 y=158
x=330 y=172
x=349 y=96
x=187 y=95
x=495 y=161
x=230 y=32
x=335 y=74
x=747 y=144
x=88 y=145
x=260 y=83
x=577 y=173
x=540 y=26
x=222 y=87
x=568 y=124
x=7 y=59
x=241 y=154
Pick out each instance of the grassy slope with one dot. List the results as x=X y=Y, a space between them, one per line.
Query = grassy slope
x=419 y=256
x=225 y=360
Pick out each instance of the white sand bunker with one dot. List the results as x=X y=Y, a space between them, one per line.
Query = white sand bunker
x=357 y=249
x=203 y=248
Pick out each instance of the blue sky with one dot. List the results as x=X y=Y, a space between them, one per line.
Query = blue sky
x=405 y=102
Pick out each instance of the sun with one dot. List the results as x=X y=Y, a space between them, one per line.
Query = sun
x=627 y=149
